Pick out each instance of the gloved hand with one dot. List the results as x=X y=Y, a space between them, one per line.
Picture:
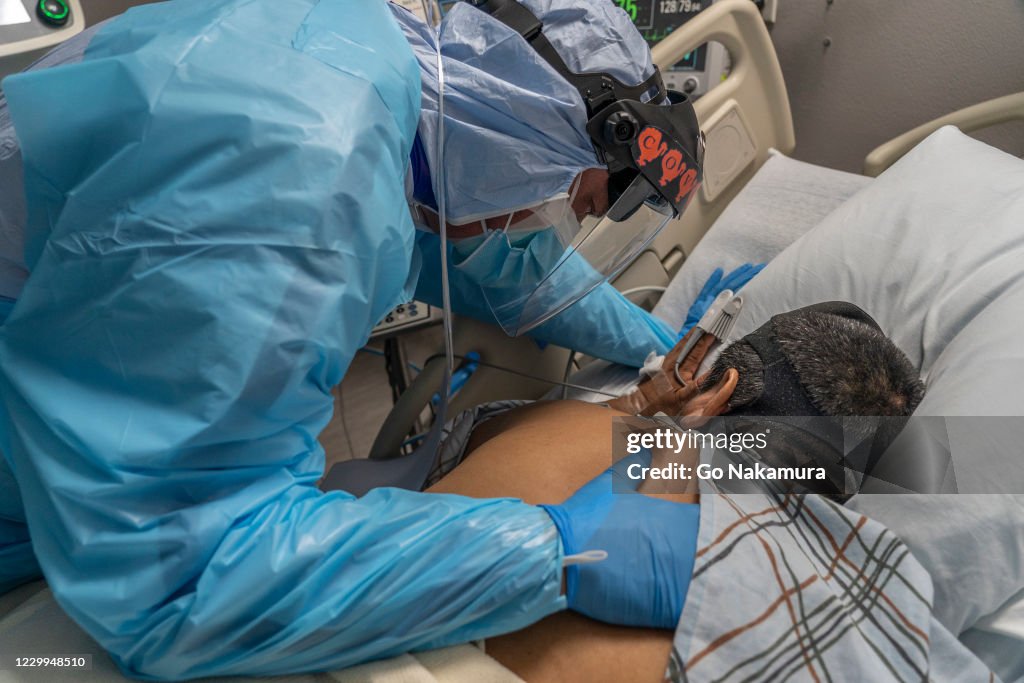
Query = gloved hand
x=650 y=543
x=715 y=285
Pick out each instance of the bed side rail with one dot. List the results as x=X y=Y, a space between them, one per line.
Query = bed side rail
x=976 y=117
x=744 y=116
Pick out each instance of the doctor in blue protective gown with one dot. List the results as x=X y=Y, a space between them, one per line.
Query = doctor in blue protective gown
x=217 y=217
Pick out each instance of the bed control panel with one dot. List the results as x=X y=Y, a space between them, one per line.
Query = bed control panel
x=408 y=316
x=28 y=28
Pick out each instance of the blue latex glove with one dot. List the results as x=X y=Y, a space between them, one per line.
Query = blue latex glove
x=650 y=543
x=715 y=285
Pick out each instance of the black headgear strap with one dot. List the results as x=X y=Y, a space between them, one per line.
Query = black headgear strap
x=598 y=89
x=785 y=404
x=783 y=394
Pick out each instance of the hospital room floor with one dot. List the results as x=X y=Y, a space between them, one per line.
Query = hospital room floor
x=363 y=399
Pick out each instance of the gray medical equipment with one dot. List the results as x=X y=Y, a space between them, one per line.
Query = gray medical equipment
x=700 y=69
x=28 y=28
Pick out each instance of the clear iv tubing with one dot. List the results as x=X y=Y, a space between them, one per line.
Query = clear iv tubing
x=502 y=368
x=446 y=303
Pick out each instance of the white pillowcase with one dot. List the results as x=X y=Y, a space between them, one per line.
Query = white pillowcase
x=785 y=199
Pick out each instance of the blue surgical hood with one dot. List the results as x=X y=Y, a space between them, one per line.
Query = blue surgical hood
x=515 y=131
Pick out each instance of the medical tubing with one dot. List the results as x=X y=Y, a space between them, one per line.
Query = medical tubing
x=527 y=375
x=442 y=210
x=427 y=453
x=572 y=353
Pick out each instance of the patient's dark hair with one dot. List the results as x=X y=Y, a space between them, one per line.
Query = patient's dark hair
x=846 y=367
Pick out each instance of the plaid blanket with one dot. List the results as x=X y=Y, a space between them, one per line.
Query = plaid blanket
x=797 y=588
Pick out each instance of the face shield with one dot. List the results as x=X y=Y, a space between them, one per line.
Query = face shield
x=532 y=263
x=654 y=156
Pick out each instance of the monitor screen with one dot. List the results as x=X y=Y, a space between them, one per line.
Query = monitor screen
x=655 y=19
x=13 y=12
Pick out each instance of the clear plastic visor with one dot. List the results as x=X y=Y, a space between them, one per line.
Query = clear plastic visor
x=567 y=258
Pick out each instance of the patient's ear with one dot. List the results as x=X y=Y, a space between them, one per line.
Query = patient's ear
x=713 y=401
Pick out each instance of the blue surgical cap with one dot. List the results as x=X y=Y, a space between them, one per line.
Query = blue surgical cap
x=594 y=35
x=514 y=129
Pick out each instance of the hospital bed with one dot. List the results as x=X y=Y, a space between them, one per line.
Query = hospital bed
x=942 y=279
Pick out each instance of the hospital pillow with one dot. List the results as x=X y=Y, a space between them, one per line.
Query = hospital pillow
x=784 y=200
x=934 y=250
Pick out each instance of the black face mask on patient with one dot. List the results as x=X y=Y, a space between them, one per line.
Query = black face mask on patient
x=802 y=435
x=783 y=395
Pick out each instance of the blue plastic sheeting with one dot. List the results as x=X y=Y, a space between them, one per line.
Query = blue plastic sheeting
x=18 y=563
x=213 y=231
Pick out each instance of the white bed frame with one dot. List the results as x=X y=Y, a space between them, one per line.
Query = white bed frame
x=976 y=117
x=743 y=117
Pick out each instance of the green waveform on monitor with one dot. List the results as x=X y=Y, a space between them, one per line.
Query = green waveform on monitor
x=629 y=6
x=655 y=35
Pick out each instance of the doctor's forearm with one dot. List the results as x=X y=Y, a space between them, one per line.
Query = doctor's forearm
x=315 y=582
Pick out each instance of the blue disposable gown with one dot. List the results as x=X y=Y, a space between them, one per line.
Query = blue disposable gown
x=215 y=223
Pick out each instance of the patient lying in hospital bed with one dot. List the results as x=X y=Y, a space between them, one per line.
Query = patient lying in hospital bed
x=834 y=357
x=935 y=256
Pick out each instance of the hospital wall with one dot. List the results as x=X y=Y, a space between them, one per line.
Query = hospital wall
x=98 y=10
x=890 y=66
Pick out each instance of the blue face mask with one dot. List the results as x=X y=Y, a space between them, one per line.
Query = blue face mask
x=525 y=278
x=465 y=247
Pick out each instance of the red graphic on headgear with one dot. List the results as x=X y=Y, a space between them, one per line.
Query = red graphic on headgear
x=686 y=184
x=651 y=146
x=671 y=166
